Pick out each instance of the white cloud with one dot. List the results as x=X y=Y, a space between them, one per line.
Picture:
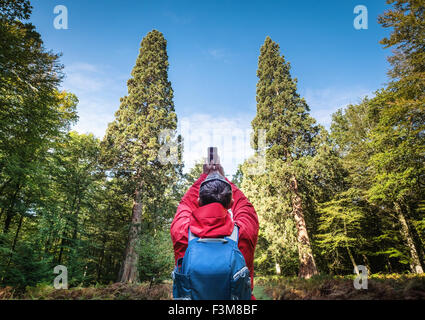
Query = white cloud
x=85 y=78
x=93 y=118
x=98 y=89
x=99 y=97
x=324 y=102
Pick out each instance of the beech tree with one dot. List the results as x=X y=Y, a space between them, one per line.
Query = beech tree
x=398 y=138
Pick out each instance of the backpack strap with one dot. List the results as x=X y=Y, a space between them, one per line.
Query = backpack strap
x=191 y=236
x=235 y=234
x=231 y=213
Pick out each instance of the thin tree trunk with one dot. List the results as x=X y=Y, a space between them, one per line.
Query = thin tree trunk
x=77 y=203
x=389 y=266
x=7 y=222
x=61 y=249
x=417 y=240
x=77 y=213
x=50 y=239
x=105 y=239
x=307 y=265
x=356 y=269
x=415 y=264
x=5 y=185
x=62 y=241
x=99 y=266
x=9 y=211
x=366 y=263
x=129 y=270
x=15 y=240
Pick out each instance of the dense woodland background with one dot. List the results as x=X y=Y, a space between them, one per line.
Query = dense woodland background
x=327 y=202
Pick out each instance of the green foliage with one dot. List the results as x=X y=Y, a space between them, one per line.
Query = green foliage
x=237 y=178
x=156 y=256
x=67 y=198
x=340 y=226
x=16 y=9
x=134 y=142
x=407 y=38
x=193 y=175
x=381 y=142
x=301 y=166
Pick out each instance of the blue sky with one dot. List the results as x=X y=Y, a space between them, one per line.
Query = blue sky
x=213 y=49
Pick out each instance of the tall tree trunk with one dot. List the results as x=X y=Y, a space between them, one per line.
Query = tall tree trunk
x=15 y=241
x=102 y=255
x=307 y=265
x=7 y=221
x=62 y=243
x=75 y=222
x=105 y=239
x=356 y=269
x=1 y=192
x=366 y=263
x=417 y=240
x=77 y=204
x=68 y=217
x=415 y=264
x=5 y=185
x=129 y=269
x=9 y=211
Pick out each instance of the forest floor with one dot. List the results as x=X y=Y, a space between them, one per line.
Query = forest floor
x=325 y=287
x=380 y=287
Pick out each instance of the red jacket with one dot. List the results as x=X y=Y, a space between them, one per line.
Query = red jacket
x=213 y=220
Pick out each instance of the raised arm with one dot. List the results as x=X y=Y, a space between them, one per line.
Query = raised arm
x=180 y=224
x=244 y=215
x=246 y=218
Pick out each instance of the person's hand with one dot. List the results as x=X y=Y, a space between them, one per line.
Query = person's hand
x=207 y=168
x=213 y=167
x=220 y=169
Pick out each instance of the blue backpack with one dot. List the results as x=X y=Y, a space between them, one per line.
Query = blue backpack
x=212 y=269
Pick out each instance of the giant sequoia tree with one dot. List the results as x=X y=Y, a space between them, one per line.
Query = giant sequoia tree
x=132 y=141
x=289 y=135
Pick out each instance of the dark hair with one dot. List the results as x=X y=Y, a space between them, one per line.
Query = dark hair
x=215 y=191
